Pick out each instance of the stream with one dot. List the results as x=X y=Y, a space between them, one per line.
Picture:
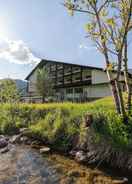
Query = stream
x=24 y=165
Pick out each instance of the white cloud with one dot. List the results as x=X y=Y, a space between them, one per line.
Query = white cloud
x=16 y=52
x=89 y=48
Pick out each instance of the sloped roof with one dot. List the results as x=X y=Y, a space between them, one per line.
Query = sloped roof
x=44 y=61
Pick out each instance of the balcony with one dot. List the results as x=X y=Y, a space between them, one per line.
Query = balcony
x=67 y=70
x=52 y=74
x=59 y=66
x=67 y=81
x=87 y=78
x=76 y=70
x=86 y=75
x=59 y=81
x=60 y=73
x=76 y=78
x=53 y=68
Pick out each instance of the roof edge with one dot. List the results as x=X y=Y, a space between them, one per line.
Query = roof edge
x=59 y=62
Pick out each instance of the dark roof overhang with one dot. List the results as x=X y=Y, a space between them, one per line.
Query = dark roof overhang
x=44 y=61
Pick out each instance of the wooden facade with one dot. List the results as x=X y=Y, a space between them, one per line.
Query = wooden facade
x=72 y=82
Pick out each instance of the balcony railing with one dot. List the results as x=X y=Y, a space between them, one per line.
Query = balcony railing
x=76 y=80
x=87 y=78
x=67 y=81
x=60 y=74
x=76 y=70
x=59 y=83
x=53 y=68
x=67 y=72
x=59 y=67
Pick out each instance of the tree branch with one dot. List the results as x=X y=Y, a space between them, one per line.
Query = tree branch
x=79 y=10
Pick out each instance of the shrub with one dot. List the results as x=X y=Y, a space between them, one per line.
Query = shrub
x=111 y=126
x=60 y=123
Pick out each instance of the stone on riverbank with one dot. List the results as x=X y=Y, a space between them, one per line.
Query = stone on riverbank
x=3 y=143
x=4 y=150
x=15 y=139
x=44 y=150
x=2 y=136
x=24 y=139
x=80 y=156
x=121 y=181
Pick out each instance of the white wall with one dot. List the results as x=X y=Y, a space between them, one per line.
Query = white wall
x=98 y=91
x=99 y=77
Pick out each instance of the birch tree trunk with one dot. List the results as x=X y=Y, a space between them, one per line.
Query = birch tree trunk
x=114 y=91
x=126 y=76
x=109 y=73
x=118 y=87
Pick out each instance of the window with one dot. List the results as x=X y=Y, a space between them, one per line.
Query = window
x=52 y=75
x=76 y=77
x=69 y=90
x=53 y=67
x=67 y=79
x=78 y=90
x=67 y=69
x=60 y=81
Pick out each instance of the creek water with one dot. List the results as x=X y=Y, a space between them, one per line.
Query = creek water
x=24 y=165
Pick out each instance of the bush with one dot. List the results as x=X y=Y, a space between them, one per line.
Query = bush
x=59 y=124
x=110 y=126
x=8 y=123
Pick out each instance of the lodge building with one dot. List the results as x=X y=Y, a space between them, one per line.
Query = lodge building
x=72 y=82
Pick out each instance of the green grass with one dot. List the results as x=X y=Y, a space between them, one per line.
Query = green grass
x=58 y=124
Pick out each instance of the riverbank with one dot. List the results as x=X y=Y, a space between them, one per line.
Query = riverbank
x=63 y=127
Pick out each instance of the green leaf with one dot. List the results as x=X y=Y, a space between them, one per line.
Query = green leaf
x=103 y=13
x=111 y=22
x=88 y=27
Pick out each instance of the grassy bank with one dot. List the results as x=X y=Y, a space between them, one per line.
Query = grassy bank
x=59 y=124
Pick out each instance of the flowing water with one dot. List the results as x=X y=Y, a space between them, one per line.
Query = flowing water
x=24 y=165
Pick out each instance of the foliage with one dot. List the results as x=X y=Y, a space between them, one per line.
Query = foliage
x=8 y=91
x=7 y=126
x=109 y=23
x=111 y=127
x=44 y=83
x=59 y=124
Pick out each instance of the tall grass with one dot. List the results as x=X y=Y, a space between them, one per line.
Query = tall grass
x=59 y=124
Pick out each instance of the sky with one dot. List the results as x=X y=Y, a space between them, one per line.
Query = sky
x=31 y=30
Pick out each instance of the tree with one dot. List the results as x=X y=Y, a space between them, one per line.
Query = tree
x=109 y=23
x=8 y=91
x=44 y=84
x=127 y=81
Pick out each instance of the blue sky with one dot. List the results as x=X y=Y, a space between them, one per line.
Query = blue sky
x=31 y=29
